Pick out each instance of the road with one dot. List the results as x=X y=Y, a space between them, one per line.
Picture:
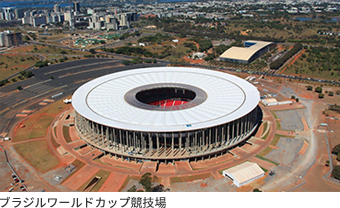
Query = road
x=67 y=77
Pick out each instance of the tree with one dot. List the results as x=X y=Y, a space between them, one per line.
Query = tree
x=292 y=97
x=132 y=189
x=336 y=172
x=330 y=93
x=63 y=52
x=310 y=88
x=338 y=157
x=257 y=190
x=13 y=80
x=28 y=74
x=51 y=77
x=318 y=90
x=336 y=149
x=145 y=181
x=92 y=51
x=19 y=87
x=297 y=100
x=321 y=95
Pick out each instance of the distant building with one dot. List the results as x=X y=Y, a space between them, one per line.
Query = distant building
x=9 y=38
x=37 y=21
x=252 y=50
x=76 y=6
x=56 y=8
x=26 y=20
x=19 y=13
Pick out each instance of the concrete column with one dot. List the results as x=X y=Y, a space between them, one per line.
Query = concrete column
x=187 y=141
x=180 y=142
x=233 y=131
x=120 y=145
x=165 y=143
x=107 y=137
x=142 y=141
x=217 y=139
x=223 y=135
x=157 y=138
x=127 y=141
x=195 y=141
x=92 y=128
x=102 y=134
x=203 y=138
x=134 y=141
x=150 y=144
x=172 y=143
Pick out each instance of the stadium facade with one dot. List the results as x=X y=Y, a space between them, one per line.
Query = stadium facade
x=166 y=113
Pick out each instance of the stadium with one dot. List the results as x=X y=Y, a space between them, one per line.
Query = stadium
x=166 y=114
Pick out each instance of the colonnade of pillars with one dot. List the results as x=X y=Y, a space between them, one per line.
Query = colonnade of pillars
x=166 y=145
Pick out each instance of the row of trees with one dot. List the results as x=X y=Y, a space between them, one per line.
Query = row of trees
x=23 y=75
x=280 y=61
x=158 y=38
x=336 y=151
x=139 y=60
x=127 y=50
x=146 y=181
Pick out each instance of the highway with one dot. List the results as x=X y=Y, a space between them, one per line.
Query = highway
x=66 y=78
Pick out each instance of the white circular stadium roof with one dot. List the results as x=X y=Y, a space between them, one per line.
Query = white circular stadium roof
x=228 y=98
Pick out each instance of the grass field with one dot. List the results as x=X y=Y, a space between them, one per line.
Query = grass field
x=40 y=127
x=54 y=143
x=66 y=133
x=37 y=124
x=278 y=125
x=265 y=151
x=38 y=155
x=14 y=63
x=265 y=159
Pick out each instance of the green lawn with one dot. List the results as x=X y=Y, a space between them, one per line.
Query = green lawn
x=38 y=155
x=265 y=159
x=66 y=133
x=13 y=63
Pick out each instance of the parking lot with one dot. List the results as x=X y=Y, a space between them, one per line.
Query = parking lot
x=290 y=120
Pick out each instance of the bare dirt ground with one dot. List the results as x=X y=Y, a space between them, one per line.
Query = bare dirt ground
x=286 y=177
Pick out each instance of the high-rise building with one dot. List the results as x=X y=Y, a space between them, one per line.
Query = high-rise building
x=9 y=38
x=76 y=6
x=19 y=13
x=56 y=8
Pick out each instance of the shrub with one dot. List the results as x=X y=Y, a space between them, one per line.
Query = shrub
x=318 y=90
x=336 y=172
x=145 y=181
x=132 y=189
x=336 y=149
